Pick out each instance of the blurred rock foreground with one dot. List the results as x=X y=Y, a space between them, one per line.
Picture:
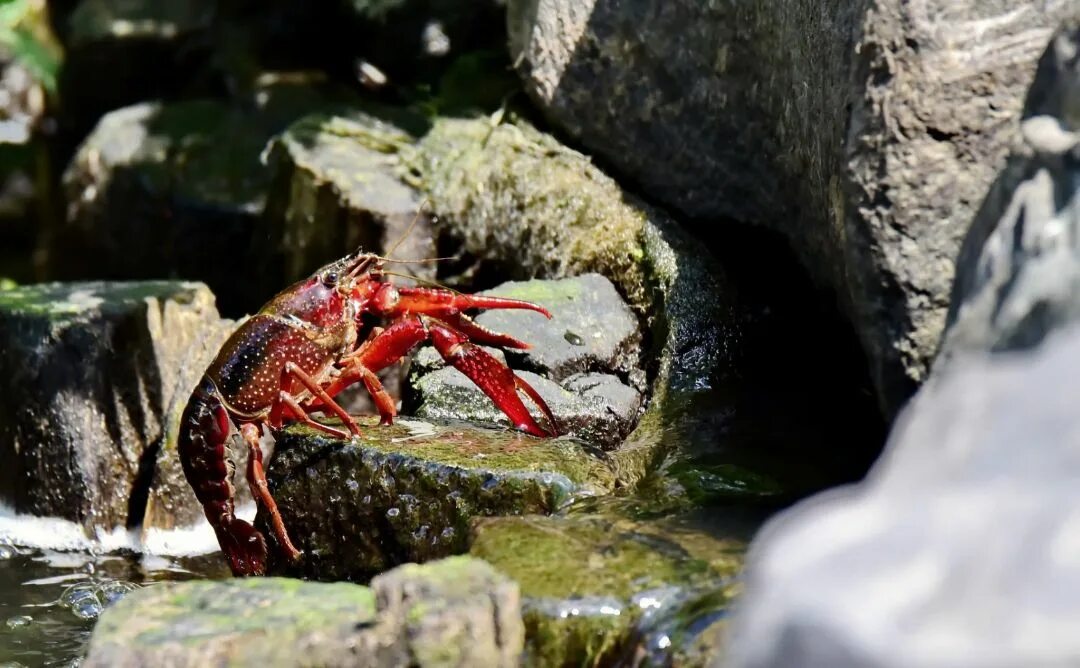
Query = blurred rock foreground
x=958 y=549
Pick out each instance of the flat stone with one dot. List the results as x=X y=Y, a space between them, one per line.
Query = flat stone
x=93 y=369
x=456 y=612
x=408 y=492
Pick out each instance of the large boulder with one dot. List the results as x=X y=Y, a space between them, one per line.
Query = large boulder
x=91 y=371
x=866 y=133
x=457 y=612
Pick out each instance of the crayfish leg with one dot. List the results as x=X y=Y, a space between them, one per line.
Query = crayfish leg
x=261 y=491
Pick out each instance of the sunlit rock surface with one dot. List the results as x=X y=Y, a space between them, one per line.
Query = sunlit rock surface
x=592 y=336
x=1018 y=274
x=457 y=612
x=91 y=371
x=409 y=491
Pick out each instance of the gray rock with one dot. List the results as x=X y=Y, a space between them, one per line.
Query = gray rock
x=866 y=133
x=184 y=183
x=1018 y=273
x=591 y=328
x=597 y=408
x=457 y=612
x=91 y=370
x=578 y=220
x=408 y=492
x=955 y=551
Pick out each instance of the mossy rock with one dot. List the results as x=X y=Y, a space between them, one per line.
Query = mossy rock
x=596 y=586
x=184 y=183
x=450 y=613
x=408 y=492
x=94 y=366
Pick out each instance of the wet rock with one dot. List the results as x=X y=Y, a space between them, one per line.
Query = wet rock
x=1018 y=272
x=408 y=492
x=92 y=369
x=456 y=612
x=855 y=129
x=990 y=444
x=184 y=183
x=603 y=588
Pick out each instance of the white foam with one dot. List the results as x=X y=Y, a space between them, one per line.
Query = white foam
x=52 y=533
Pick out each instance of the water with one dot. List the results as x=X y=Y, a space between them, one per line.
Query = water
x=49 y=600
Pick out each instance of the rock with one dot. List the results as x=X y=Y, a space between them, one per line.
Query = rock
x=408 y=492
x=604 y=589
x=1018 y=272
x=337 y=188
x=91 y=370
x=183 y=183
x=597 y=408
x=591 y=329
x=456 y=612
x=532 y=207
x=926 y=539
x=864 y=133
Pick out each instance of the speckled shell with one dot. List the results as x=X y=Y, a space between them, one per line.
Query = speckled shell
x=247 y=371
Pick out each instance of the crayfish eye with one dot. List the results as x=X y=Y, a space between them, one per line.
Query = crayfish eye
x=329 y=279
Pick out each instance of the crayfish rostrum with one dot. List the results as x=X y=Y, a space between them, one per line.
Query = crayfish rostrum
x=305 y=346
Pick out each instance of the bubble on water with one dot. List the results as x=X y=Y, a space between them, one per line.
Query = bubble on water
x=352 y=484
x=393 y=512
x=19 y=621
x=87 y=600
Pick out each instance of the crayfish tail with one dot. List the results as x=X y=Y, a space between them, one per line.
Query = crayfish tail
x=244 y=547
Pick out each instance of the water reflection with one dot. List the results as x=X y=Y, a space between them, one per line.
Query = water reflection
x=49 y=600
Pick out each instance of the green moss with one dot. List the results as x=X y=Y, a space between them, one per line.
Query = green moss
x=471 y=448
x=66 y=301
x=193 y=612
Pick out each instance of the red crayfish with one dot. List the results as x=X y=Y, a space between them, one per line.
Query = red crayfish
x=301 y=349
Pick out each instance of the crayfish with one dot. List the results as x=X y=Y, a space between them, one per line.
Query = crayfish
x=305 y=346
